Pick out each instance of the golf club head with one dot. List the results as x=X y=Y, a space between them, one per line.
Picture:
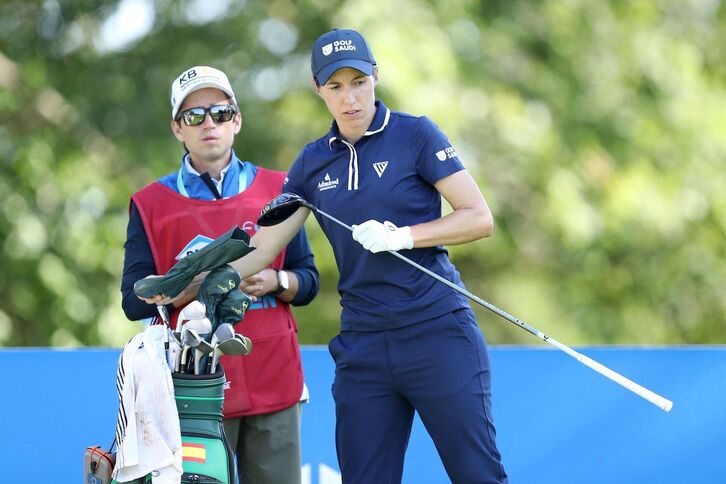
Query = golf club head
x=193 y=310
x=245 y=341
x=237 y=345
x=281 y=208
x=224 y=332
x=190 y=339
x=201 y=326
x=205 y=347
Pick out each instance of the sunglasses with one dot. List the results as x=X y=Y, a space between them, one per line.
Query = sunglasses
x=219 y=114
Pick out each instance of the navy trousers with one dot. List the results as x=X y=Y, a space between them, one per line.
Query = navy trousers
x=438 y=368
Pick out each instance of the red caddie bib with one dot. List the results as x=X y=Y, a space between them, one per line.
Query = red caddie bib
x=270 y=378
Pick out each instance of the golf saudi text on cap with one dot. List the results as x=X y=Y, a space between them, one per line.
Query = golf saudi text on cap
x=337 y=49
x=196 y=78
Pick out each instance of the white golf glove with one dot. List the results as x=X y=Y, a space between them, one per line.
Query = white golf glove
x=378 y=237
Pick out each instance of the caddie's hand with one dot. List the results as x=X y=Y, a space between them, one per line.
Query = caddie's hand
x=260 y=284
x=378 y=237
x=184 y=297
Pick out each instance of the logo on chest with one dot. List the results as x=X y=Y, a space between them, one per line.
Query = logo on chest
x=380 y=167
x=327 y=183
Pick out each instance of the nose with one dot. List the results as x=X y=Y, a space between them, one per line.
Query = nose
x=208 y=121
x=348 y=95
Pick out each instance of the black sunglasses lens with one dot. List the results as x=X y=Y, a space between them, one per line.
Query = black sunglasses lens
x=221 y=114
x=194 y=116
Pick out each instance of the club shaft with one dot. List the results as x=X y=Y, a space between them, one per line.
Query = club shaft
x=639 y=390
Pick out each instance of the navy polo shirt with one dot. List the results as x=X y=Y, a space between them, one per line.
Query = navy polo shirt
x=389 y=174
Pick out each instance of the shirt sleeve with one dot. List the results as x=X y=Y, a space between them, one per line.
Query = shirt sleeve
x=294 y=181
x=436 y=157
x=299 y=259
x=138 y=263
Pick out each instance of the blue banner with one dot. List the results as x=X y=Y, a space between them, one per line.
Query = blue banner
x=557 y=421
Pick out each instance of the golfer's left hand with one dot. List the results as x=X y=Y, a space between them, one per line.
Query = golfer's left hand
x=378 y=237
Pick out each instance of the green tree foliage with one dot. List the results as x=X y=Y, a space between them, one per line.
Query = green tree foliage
x=595 y=130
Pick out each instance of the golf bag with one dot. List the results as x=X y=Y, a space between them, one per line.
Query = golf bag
x=207 y=457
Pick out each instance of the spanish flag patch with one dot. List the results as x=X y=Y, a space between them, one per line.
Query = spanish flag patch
x=194 y=452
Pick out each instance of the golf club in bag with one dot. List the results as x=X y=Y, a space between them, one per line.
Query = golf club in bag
x=284 y=205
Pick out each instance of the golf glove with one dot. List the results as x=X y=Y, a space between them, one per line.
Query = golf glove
x=378 y=237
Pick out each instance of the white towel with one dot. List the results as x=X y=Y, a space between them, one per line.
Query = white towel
x=148 y=436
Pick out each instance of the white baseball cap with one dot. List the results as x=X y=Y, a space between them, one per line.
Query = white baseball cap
x=195 y=78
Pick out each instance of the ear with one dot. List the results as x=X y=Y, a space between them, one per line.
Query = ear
x=375 y=75
x=176 y=129
x=237 y=123
x=316 y=86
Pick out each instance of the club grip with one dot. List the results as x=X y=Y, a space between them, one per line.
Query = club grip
x=640 y=390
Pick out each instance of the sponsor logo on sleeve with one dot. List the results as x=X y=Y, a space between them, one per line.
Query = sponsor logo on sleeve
x=446 y=153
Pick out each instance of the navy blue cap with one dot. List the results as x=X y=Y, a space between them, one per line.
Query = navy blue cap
x=337 y=49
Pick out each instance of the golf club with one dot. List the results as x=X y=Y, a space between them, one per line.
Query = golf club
x=164 y=313
x=284 y=205
x=229 y=343
x=193 y=310
x=224 y=332
x=190 y=339
x=203 y=328
x=201 y=350
x=237 y=345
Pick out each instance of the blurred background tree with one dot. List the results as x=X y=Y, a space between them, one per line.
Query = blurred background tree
x=596 y=131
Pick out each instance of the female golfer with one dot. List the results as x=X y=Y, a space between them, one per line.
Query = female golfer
x=407 y=342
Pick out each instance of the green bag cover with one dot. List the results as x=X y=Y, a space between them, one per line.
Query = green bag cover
x=217 y=286
x=232 y=308
x=228 y=247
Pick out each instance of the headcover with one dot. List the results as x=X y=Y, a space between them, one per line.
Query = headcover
x=230 y=246
x=216 y=286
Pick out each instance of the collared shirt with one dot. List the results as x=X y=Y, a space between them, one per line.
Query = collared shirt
x=234 y=179
x=389 y=174
x=238 y=175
